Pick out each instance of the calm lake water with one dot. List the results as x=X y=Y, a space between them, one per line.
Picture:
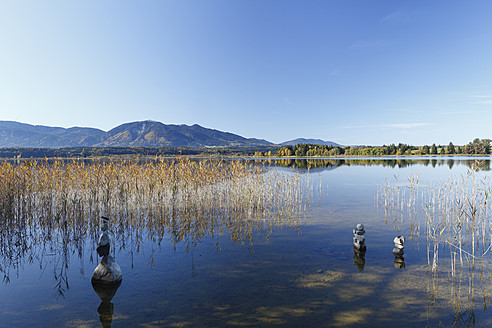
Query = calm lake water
x=299 y=275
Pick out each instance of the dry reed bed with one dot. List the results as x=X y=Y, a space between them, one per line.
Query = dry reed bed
x=47 y=207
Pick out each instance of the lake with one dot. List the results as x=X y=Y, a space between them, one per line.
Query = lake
x=299 y=272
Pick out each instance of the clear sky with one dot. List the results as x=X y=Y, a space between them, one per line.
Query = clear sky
x=354 y=72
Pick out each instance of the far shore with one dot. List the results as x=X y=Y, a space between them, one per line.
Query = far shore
x=240 y=156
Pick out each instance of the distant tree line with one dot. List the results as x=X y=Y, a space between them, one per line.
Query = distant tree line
x=88 y=152
x=476 y=147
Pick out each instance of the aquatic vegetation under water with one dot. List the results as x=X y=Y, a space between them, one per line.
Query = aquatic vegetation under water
x=54 y=208
x=455 y=216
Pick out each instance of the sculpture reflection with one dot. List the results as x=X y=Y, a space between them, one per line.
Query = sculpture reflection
x=399 y=262
x=359 y=258
x=106 y=308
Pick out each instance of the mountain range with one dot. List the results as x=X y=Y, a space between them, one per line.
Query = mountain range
x=309 y=141
x=133 y=134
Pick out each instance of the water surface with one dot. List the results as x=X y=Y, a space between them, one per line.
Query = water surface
x=298 y=274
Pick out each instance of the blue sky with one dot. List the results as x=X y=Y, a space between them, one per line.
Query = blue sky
x=353 y=72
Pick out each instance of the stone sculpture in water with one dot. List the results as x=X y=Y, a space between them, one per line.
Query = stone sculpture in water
x=107 y=276
x=108 y=271
x=359 y=242
x=359 y=239
x=398 y=252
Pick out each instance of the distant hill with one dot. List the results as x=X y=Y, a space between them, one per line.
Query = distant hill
x=14 y=134
x=309 y=141
x=134 y=134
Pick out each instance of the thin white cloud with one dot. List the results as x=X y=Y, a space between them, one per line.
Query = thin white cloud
x=404 y=110
x=407 y=125
x=335 y=72
x=448 y=113
x=463 y=112
x=288 y=102
x=387 y=126
x=364 y=44
x=398 y=17
x=480 y=99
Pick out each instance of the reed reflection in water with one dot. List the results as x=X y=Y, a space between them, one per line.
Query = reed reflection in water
x=454 y=216
x=49 y=211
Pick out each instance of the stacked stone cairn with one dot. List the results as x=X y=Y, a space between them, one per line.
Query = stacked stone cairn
x=359 y=247
x=108 y=271
x=107 y=276
x=398 y=252
x=359 y=239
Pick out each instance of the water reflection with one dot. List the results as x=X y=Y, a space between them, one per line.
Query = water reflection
x=399 y=262
x=359 y=258
x=106 y=293
x=327 y=163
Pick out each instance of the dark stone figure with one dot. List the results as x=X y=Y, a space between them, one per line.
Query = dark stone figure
x=103 y=250
x=108 y=271
x=359 y=240
x=107 y=276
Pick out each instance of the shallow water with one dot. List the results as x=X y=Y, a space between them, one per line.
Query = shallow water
x=306 y=275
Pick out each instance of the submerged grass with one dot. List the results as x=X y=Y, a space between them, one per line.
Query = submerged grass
x=455 y=218
x=48 y=207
